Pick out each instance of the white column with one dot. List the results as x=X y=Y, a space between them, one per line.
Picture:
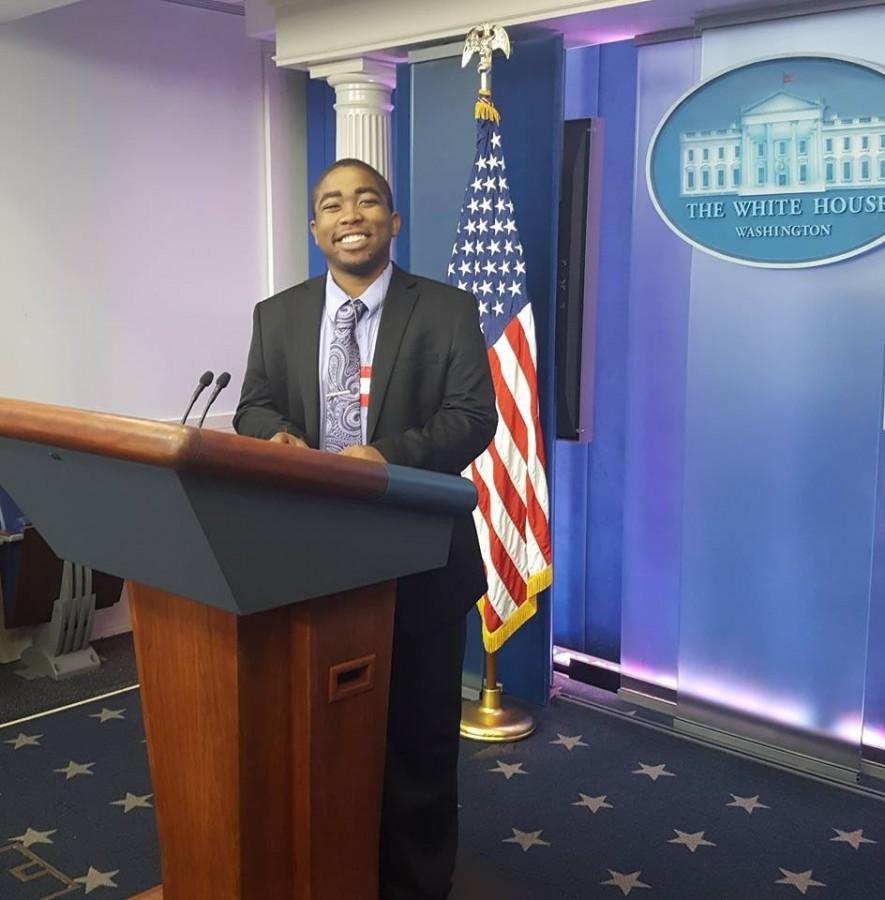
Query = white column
x=363 y=107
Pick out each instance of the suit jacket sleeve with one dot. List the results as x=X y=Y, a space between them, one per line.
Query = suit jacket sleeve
x=466 y=420
x=257 y=414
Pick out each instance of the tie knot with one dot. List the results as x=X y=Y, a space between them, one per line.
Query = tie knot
x=349 y=313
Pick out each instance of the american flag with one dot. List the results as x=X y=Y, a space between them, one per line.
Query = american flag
x=512 y=514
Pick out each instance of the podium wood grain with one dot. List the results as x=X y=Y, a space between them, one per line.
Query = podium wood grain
x=266 y=739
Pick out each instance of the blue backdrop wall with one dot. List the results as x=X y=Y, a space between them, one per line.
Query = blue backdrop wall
x=320 y=151
x=600 y=82
x=660 y=269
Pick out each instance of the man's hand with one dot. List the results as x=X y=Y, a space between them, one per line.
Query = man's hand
x=363 y=451
x=283 y=437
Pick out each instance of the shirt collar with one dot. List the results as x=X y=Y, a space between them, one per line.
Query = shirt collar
x=372 y=297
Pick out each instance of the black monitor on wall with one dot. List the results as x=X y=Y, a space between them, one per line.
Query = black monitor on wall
x=570 y=278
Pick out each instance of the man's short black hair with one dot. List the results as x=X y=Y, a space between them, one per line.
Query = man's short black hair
x=380 y=180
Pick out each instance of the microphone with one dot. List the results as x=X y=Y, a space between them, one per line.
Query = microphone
x=220 y=384
x=205 y=381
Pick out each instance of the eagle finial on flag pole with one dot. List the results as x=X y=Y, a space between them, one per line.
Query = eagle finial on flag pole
x=485 y=39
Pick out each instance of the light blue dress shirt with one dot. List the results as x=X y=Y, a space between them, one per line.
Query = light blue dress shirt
x=366 y=335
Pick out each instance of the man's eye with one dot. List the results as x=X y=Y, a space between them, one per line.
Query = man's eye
x=331 y=207
x=368 y=201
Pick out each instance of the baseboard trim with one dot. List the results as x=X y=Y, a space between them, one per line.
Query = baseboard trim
x=873 y=769
x=638 y=698
x=777 y=755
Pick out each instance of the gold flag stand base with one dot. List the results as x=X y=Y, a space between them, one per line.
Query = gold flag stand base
x=490 y=719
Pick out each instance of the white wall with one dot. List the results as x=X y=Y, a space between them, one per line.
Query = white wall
x=152 y=189
x=286 y=168
x=133 y=208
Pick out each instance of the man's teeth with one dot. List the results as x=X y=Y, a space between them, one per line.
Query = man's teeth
x=353 y=238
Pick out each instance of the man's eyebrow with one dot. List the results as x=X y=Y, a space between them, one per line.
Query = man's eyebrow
x=336 y=195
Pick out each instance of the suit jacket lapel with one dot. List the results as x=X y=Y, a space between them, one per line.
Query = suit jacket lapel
x=304 y=331
x=398 y=305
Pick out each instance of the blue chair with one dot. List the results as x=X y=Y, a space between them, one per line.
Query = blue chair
x=12 y=534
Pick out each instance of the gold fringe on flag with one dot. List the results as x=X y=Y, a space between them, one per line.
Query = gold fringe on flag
x=492 y=641
x=485 y=109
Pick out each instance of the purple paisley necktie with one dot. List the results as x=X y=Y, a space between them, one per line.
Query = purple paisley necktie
x=343 y=380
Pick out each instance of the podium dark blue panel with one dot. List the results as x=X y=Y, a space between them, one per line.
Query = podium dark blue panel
x=238 y=544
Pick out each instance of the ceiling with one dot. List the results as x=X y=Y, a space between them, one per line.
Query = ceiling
x=646 y=17
x=18 y=9
x=669 y=17
x=10 y=10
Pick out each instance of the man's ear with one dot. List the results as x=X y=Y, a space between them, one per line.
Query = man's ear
x=313 y=230
x=395 y=224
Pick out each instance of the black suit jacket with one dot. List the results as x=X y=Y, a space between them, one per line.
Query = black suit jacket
x=431 y=405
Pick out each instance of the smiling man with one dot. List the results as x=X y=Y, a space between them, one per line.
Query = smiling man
x=370 y=361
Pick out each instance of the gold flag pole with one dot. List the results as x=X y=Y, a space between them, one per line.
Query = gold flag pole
x=490 y=718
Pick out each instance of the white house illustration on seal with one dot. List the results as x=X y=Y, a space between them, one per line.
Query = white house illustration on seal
x=784 y=144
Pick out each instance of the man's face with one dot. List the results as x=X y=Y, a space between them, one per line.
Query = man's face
x=352 y=224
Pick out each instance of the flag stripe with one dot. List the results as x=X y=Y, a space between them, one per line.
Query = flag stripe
x=538 y=499
x=501 y=526
x=516 y=348
x=504 y=578
x=507 y=404
x=503 y=531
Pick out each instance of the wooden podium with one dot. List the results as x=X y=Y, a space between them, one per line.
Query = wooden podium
x=262 y=584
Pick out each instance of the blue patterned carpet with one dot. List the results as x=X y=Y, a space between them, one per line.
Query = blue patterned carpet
x=592 y=806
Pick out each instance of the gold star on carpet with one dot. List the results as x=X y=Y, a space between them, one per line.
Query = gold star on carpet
x=692 y=841
x=569 y=742
x=508 y=770
x=525 y=839
x=107 y=714
x=855 y=838
x=133 y=801
x=625 y=882
x=747 y=803
x=594 y=804
x=94 y=879
x=34 y=837
x=802 y=881
x=73 y=769
x=653 y=772
x=24 y=740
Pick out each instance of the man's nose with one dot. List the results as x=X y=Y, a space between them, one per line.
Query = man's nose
x=350 y=212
